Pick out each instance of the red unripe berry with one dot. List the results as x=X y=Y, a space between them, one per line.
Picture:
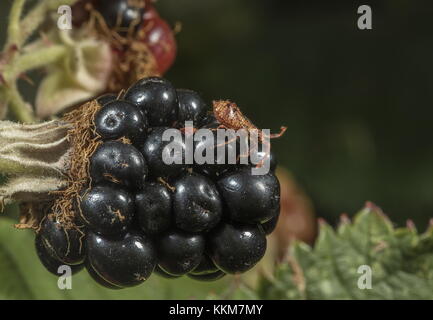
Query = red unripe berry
x=160 y=39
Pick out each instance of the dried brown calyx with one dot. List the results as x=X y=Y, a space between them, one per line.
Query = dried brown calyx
x=47 y=165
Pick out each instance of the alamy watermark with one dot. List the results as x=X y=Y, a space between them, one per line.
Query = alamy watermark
x=364 y=281
x=65 y=279
x=365 y=20
x=64 y=22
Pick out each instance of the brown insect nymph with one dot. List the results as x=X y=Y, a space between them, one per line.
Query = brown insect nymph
x=230 y=116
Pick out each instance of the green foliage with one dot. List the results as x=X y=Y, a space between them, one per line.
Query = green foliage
x=401 y=263
x=23 y=277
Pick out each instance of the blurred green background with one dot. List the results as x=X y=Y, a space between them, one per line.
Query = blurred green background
x=357 y=104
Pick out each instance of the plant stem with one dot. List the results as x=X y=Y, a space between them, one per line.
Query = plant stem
x=14 y=30
x=18 y=106
x=33 y=60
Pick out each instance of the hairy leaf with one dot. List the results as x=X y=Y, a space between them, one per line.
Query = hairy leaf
x=400 y=262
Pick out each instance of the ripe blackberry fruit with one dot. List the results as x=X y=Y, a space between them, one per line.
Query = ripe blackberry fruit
x=120 y=163
x=154 y=150
x=197 y=205
x=191 y=108
x=120 y=15
x=123 y=261
x=240 y=187
x=64 y=245
x=157 y=98
x=51 y=263
x=236 y=248
x=154 y=208
x=141 y=215
x=180 y=252
x=120 y=119
x=106 y=209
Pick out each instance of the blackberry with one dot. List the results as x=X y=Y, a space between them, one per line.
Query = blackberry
x=197 y=205
x=237 y=248
x=157 y=98
x=123 y=261
x=120 y=163
x=119 y=119
x=106 y=209
x=240 y=187
x=154 y=208
x=180 y=252
x=140 y=214
x=154 y=150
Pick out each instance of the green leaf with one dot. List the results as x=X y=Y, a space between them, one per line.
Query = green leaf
x=400 y=260
x=23 y=277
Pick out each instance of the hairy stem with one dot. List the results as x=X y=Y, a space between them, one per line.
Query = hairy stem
x=21 y=110
x=14 y=30
x=33 y=60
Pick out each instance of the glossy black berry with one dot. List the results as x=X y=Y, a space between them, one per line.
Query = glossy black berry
x=155 y=152
x=50 y=263
x=154 y=208
x=180 y=252
x=206 y=266
x=236 y=248
x=123 y=261
x=157 y=97
x=106 y=209
x=120 y=163
x=64 y=245
x=106 y=98
x=264 y=156
x=191 y=108
x=120 y=15
x=207 y=277
x=98 y=279
x=197 y=204
x=269 y=226
x=120 y=119
x=250 y=198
